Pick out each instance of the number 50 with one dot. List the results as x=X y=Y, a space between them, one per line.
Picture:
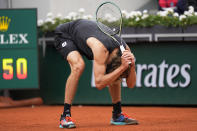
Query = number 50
x=21 y=68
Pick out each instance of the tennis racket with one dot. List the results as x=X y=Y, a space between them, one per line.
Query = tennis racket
x=109 y=20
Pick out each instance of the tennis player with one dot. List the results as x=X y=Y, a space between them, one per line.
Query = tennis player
x=83 y=37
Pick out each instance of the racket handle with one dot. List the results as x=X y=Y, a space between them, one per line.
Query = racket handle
x=122 y=50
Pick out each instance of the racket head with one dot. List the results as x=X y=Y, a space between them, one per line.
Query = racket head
x=109 y=18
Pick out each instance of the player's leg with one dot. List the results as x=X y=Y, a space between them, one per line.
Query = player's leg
x=115 y=91
x=77 y=66
x=68 y=50
x=118 y=118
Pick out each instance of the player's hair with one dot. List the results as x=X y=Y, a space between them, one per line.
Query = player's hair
x=115 y=63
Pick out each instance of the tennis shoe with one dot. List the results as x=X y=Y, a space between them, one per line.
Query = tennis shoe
x=123 y=119
x=66 y=122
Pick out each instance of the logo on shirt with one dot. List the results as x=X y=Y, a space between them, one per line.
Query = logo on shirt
x=64 y=44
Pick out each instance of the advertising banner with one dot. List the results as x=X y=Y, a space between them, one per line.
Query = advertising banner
x=165 y=72
x=166 y=75
x=18 y=49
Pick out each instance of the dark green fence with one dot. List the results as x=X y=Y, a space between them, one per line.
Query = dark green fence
x=166 y=74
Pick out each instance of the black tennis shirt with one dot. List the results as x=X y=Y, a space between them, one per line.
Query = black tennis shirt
x=79 y=31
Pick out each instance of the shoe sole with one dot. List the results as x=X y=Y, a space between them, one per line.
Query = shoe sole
x=68 y=126
x=124 y=123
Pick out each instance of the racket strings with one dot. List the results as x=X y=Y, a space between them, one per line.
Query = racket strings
x=107 y=29
x=109 y=18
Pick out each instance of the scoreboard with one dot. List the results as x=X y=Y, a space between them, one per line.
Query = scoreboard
x=18 y=49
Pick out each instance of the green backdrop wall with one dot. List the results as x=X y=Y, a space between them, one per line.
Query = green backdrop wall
x=166 y=74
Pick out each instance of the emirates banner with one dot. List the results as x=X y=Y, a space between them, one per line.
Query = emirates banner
x=166 y=74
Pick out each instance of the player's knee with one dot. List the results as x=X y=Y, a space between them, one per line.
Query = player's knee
x=78 y=67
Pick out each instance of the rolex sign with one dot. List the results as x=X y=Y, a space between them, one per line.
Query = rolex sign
x=18 y=49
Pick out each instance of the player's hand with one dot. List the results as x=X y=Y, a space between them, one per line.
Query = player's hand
x=127 y=59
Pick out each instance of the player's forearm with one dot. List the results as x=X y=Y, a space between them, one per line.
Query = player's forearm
x=131 y=79
x=102 y=81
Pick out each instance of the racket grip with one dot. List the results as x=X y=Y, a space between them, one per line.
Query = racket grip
x=122 y=50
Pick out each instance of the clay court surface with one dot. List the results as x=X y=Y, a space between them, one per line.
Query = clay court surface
x=96 y=118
